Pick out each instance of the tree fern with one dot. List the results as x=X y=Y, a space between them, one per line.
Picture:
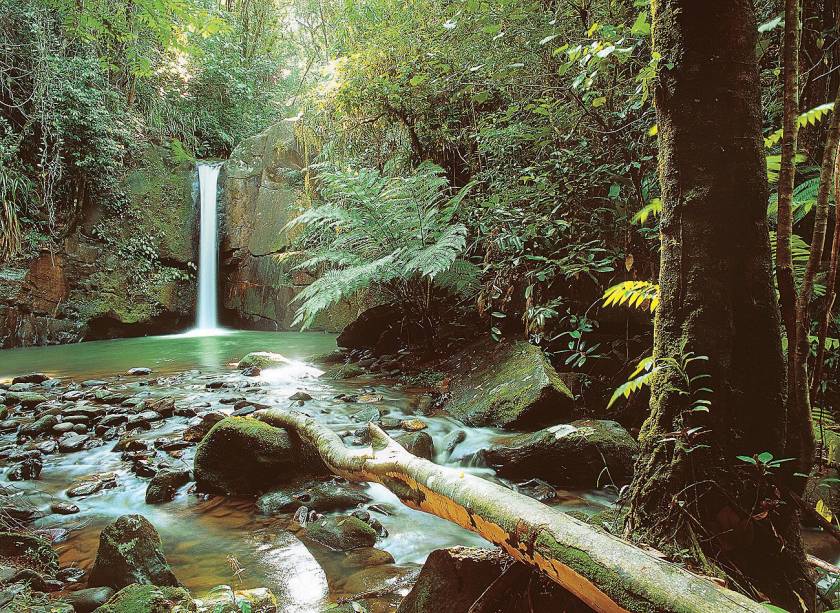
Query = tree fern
x=395 y=233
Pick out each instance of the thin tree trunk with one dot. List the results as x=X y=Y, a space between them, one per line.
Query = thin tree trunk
x=830 y=282
x=605 y=572
x=787 y=175
x=716 y=300
x=800 y=430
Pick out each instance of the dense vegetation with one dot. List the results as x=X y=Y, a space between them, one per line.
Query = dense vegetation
x=493 y=163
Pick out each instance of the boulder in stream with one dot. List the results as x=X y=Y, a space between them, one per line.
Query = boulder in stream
x=242 y=456
x=323 y=496
x=90 y=599
x=573 y=454
x=509 y=385
x=453 y=579
x=149 y=599
x=418 y=443
x=341 y=532
x=262 y=359
x=165 y=484
x=130 y=552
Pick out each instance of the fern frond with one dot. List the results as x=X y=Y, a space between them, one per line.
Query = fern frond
x=809 y=117
x=463 y=278
x=636 y=294
x=439 y=256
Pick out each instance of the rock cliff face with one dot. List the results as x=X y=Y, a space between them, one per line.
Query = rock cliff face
x=123 y=271
x=263 y=188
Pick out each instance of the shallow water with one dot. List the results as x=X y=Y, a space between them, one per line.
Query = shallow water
x=202 y=537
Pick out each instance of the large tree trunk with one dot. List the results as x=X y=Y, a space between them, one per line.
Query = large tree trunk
x=716 y=300
x=605 y=572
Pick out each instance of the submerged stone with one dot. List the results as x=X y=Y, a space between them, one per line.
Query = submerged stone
x=322 y=496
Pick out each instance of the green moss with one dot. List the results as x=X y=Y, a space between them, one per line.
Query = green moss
x=148 y=599
x=242 y=456
x=342 y=533
x=261 y=359
x=509 y=386
x=344 y=371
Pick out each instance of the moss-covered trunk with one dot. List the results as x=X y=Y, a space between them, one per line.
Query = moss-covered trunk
x=717 y=300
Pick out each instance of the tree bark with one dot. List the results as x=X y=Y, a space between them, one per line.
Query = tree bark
x=605 y=572
x=787 y=175
x=690 y=491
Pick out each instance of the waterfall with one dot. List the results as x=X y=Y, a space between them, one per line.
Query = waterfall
x=208 y=274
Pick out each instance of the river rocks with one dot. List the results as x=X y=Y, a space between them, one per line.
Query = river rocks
x=27 y=400
x=25 y=471
x=323 y=496
x=418 y=443
x=130 y=552
x=64 y=508
x=72 y=441
x=568 y=454
x=34 y=377
x=508 y=385
x=28 y=550
x=341 y=532
x=199 y=427
x=452 y=580
x=140 y=371
x=164 y=484
x=262 y=359
x=300 y=397
x=143 y=598
x=39 y=426
x=223 y=599
x=344 y=371
x=242 y=456
x=85 y=601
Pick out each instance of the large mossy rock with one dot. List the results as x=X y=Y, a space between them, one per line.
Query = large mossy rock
x=510 y=385
x=241 y=456
x=130 y=552
x=28 y=551
x=149 y=599
x=453 y=579
x=341 y=532
x=323 y=496
x=575 y=454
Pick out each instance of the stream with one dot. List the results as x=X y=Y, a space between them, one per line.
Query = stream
x=208 y=539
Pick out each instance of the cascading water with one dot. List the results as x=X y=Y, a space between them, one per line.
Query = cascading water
x=206 y=310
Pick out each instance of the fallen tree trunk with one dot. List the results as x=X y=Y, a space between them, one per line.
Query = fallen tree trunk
x=607 y=573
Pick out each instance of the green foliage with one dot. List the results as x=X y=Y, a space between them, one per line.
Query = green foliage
x=638 y=294
x=395 y=235
x=639 y=378
x=809 y=117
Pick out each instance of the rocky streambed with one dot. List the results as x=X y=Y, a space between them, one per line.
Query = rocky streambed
x=139 y=461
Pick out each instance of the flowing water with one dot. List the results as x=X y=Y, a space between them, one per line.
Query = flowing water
x=201 y=536
x=208 y=253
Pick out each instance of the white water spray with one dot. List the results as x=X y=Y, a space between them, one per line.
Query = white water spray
x=207 y=318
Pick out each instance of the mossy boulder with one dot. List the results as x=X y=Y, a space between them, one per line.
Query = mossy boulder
x=242 y=456
x=418 y=443
x=224 y=599
x=130 y=552
x=149 y=599
x=165 y=484
x=509 y=385
x=575 y=454
x=28 y=550
x=341 y=532
x=340 y=372
x=262 y=359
